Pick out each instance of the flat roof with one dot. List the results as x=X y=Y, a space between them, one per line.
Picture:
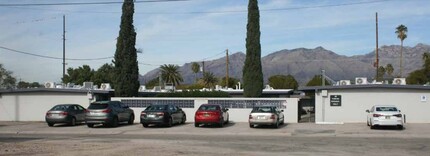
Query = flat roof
x=366 y=86
x=59 y=90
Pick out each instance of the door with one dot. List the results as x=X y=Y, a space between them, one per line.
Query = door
x=306 y=110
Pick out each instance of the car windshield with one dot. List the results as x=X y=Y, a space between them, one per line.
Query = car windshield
x=263 y=109
x=60 y=108
x=97 y=106
x=156 y=108
x=209 y=107
x=386 y=109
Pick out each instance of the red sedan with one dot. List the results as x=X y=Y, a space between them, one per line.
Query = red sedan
x=209 y=114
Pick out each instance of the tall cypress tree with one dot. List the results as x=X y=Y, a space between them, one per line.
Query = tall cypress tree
x=126 y=68
x=252 y=71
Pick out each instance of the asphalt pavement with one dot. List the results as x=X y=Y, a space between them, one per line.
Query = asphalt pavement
x=411 y=130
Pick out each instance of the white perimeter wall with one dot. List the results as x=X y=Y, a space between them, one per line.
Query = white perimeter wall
x=236 y=114
x=33 y=106
x=356 y=101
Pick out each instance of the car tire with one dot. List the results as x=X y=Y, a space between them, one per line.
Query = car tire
x=221 y=123
x=145 y=125
x=170 y=122
x=90 y=125
x=276 y=124
x=131 y=119
x=400 y=127
x=114 y=122
x=226 y=122
x=283 y=121
x=73 y=121
x=196 y=125
x=368 y=123
x=50 y=124
x=184 y=119
x=251 y=126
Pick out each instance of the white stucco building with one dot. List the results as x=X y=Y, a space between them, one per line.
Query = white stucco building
x=348 y=103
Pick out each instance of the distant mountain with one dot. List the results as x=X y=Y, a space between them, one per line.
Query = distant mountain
x=304 y=63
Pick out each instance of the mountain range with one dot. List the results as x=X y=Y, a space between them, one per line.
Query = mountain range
x=304 y=64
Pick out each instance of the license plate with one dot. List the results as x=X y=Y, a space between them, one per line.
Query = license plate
x=261 y=117
x=387 y=117
x=55 y=115
x=151 y=116
x=206 y=115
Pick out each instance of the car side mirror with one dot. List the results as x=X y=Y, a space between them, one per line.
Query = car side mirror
x=367 y=111
x=226 y=109
x=282 y=110
x=400 y=111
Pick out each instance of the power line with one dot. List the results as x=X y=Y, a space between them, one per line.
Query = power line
x=56 y=58
x=222 y=12
x=84 y=3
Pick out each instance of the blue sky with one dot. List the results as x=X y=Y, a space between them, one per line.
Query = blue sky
x=194 y=30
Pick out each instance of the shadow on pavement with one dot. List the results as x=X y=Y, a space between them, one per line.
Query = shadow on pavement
x=229 y=124
x=270 y=126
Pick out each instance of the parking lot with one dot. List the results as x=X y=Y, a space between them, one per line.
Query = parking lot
x=36 y=138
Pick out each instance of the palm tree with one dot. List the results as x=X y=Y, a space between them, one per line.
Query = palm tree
x=195 y=67
x=401 y=31
x=170 y=74
x=209 y=79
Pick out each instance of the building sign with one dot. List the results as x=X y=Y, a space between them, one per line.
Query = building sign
x=335 y=100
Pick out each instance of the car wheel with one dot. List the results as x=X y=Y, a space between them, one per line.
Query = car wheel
x=276 y=124
x=184 y=118
x=73 y=121
x=50 y=124
x=221 y=123
x=400 y=127
x=170 y=122
x=90 y=125
x=131 y=119
x=283 y=121
x=368 y=123
x=196 y=125
x=251 y=126
x=114 y=122
x=145 y=125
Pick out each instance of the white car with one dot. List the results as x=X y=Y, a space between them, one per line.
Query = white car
x=384 y=115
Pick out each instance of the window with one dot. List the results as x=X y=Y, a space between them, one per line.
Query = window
x=61 y=107
x=97 y=106
x=156 y=108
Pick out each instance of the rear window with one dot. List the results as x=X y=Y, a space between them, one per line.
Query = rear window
x=209 y=107
x=97 y=106
x=386 y=109
x=156 y=108
x=60 y=107
x=263 y=109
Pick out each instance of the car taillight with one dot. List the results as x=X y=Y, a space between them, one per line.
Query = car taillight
x=87 y=111
x=272 y=117
x=250 y=116
x=107 y=110
x=63 y=113
x=142 y=114
x=398 y=115
x=48 y=114
x=377 y=115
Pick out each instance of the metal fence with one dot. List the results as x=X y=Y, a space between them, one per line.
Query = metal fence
x=147 y=102
x=249 y=103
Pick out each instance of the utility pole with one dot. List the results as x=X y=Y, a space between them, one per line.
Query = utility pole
x=376 y=50
x=226 y=77
x=64 y=46
x=323 y=77
x=203 y=67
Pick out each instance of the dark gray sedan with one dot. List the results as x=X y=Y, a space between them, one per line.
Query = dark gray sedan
x=65 y=113
x=163 y=114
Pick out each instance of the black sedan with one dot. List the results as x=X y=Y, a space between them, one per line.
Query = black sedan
x=163 y=114
x=65 y=113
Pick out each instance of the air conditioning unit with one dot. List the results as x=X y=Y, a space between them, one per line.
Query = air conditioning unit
x=142 y=88
x=105 y=86
x=50 y=85
x=88 y=85
x=399 y=81
x=361 y=80
x=344 y=82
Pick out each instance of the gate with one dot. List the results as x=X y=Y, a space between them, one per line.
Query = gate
x=306 y=110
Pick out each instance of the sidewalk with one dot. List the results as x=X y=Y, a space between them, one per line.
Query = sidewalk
x=241 y=128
